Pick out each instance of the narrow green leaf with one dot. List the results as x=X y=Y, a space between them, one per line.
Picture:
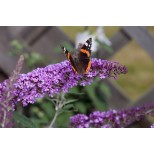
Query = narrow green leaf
x=91 y=93
x=68 y=107
x=105 y=90
x=73 y=93
x=48 y=109
x=81 y=107
x=23 y=120
x=70 y=101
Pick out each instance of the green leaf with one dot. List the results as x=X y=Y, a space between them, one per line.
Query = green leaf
x=91 y=91
x=105 y=90
x=48 y=109
x=81 y=107
x=23 y=120
x=70 y=101
x=34 y=59
x=16 y=45
x=73 y=93
x=39 y=122
x=67 y=107
x=17 y=48
x=74 y=90
x=62 y=120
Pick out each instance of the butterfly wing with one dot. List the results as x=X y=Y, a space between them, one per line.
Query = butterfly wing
x=70 y=58
x=84 y=56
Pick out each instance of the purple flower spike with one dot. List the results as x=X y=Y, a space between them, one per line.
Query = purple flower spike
x=96 y=119
x=116 y=119
x=56 y=78
x=107 y=126
x=79 y=121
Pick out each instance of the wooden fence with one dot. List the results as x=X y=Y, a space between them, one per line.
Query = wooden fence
x=45 y=39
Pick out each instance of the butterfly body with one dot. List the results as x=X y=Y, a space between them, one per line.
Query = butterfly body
x=80 y=60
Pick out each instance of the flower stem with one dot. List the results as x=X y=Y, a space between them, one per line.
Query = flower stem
x=58 y=106
x=54 y=119
x=4 y=119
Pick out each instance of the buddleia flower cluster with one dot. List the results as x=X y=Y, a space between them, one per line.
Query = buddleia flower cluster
x=57 y=78
x=111 y=118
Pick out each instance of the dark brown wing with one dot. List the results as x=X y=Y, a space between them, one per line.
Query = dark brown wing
x=70 y=58
x=85 y=56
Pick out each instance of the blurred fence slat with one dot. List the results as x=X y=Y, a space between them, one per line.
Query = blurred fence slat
x=120 y=39
x=16 y=31
x=119 y=98
x=47 y=44
x=32 y=34
x=142 y=37
x=7 y=61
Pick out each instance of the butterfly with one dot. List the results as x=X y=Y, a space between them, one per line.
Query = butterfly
x=80 y=60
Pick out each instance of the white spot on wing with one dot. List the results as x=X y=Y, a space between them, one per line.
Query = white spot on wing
x=64 y=50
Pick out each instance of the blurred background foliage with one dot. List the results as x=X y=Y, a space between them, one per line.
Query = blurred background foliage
x=92 y=97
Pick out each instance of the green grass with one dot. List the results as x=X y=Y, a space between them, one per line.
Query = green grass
x=140 y=75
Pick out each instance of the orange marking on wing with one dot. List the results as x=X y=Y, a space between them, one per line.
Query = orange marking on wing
x=74 y=70
x=85 y=51
x=89 y=65
x=68 y=55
